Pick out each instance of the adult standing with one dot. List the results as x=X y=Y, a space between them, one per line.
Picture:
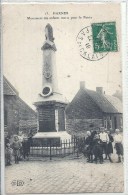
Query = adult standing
x=109 y=146
x=30 y=135
x=88 y=142
x=105 y=140
x=26 y=148
x=118 y=139
x=21 y=137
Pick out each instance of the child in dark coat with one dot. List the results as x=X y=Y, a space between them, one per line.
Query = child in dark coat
x=88 y=142
x=26 y=148
x=8 y=154
x=16 y=145
x=97 y=149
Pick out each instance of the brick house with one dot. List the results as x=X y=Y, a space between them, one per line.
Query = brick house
x=89 y=110
x=18 y=116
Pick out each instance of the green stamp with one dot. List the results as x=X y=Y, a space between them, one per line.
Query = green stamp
x=104 y=37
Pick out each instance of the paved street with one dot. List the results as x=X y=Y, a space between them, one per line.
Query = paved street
x=64 y=176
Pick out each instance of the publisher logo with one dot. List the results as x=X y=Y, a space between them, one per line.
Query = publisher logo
x=17 y=183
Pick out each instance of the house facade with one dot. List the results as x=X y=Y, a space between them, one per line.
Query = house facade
x=18 y=116
x=90 y=110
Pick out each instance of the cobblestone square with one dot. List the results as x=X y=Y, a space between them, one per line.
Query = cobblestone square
x=64 y=176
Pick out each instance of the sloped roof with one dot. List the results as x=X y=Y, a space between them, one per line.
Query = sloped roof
x=8 y=88
x=25 y=105
x=116 y=102
x=106 y=103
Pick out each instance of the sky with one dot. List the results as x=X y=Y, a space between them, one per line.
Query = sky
x=23 y=39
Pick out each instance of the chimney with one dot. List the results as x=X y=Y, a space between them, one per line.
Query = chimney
x=100 y=90
x=82 y=85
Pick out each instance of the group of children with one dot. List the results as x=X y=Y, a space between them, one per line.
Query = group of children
x=96 y=144
x=18 y=148
x=101 y=143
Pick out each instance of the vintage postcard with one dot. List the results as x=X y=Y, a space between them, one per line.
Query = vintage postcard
x=63 y=108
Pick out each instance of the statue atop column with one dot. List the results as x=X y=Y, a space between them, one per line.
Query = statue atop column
x=49 y=33
x=49 y=43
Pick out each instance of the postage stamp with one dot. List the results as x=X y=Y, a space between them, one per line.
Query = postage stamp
x=104 y=37
x=85 y=45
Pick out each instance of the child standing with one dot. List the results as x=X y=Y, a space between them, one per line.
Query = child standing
x=16 y=145
x=118 y=144
x=8 y=154
x=97 y=149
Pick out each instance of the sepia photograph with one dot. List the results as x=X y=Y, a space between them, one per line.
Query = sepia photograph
x=63 y=100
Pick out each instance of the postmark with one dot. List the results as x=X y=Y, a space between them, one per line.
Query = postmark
x=85 y=45
x=104 y=37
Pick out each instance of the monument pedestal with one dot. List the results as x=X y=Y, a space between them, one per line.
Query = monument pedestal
x=51 y=121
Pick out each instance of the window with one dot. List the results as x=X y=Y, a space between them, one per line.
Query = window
x=109 y=123
x=121 y=122
x=105 y=123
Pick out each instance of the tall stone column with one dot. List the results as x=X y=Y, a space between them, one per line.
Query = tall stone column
x=49 y=76
x=51 y=104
